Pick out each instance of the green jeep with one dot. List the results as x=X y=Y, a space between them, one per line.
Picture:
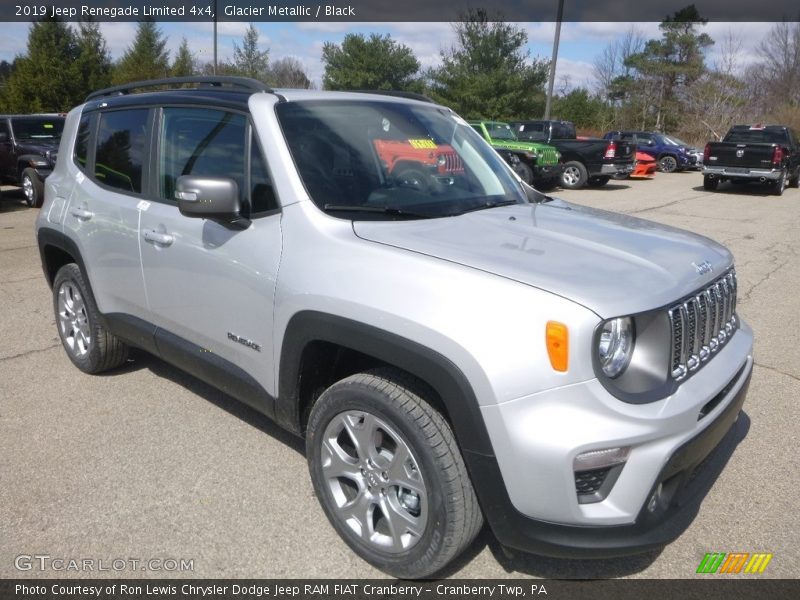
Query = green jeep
x=539 y=164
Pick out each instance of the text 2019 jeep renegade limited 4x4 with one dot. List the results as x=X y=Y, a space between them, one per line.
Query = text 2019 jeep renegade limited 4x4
x=454 y=346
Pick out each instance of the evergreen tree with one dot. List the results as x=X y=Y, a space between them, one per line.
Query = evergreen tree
x=43 y=79
x=93 y=64
x=487 y=73
x=248 y=60
x=184 y=63
x=146 y=58
x=374 y=63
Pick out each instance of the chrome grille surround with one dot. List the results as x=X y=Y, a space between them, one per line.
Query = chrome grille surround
x=701 y=324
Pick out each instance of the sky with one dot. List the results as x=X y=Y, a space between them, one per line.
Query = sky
x=580 y=43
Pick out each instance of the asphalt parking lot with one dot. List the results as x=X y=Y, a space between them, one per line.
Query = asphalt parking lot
x=146 y=462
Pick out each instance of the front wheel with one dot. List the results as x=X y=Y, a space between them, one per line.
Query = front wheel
x=389 y=475
x=524 y=171
x=32 y=188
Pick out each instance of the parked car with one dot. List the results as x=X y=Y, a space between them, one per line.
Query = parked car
x=252 y=238
x=671 y=153
x=589 y=161
x=754 y=153
x=538 y=164
x=28 y=152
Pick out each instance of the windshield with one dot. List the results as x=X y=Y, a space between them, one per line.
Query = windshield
x=501 y=131
x=386 y=160
x=38 y=128
x=757 y=136
x=676 y=142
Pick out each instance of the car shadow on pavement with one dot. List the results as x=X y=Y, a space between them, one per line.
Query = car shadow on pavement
x=140 y=359
x=609 y=187
x=513 y=561
x=749 y=189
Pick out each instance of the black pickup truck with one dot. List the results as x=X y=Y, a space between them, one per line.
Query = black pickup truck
x=767 y=154
x=587 y=161
x=28 y=151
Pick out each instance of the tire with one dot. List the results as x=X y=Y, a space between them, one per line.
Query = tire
x=357 y=431
x=525 y=172
x=780 y=185
x=598 y=181
x=32 y=188
x=668 y=164
x=89 y=345
x=710 y=183
x=795 y=181
x=574 y=176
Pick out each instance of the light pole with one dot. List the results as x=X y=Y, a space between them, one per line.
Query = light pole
x=552 y=81
x=215 y=37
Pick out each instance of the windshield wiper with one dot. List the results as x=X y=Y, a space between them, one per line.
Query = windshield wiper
x=386 y=210
x=489 y=204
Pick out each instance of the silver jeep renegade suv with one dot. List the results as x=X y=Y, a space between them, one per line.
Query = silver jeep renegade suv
x=368 y=272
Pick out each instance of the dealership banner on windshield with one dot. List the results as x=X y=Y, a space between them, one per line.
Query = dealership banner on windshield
x=368 y=11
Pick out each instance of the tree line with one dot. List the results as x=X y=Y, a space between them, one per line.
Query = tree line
x=663 y=84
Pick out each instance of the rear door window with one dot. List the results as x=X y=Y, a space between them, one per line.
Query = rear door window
x=119 y=152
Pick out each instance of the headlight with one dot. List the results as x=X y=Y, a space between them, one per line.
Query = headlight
x=442 y=160
x=615 y=346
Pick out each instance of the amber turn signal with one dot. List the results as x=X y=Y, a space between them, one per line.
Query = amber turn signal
x=557 y=338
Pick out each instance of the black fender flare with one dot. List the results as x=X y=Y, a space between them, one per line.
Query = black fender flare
x=48 y=237
x=433 y=368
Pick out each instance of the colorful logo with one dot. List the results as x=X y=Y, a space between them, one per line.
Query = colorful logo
x=734 y=562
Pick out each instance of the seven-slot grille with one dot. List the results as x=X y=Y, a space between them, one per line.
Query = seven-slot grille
x=702 y=324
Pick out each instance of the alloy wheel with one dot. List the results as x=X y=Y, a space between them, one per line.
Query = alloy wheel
x=73 y=320
x=375 y=482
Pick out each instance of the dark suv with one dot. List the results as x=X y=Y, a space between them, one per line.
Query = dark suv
x=671 y=153
x=28 y=150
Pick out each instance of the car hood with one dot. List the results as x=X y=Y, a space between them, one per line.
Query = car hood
x=610 y=263
x=37 y=146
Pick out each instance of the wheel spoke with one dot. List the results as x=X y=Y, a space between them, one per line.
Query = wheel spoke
x=399 y=520
x=361 y=427
x=403 y=471
x=336 y=462
x=358 y=515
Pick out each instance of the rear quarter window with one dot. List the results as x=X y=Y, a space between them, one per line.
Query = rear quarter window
x=119 y=151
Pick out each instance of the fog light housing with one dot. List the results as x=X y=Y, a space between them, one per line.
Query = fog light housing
x=596 y=472
x=599 y=459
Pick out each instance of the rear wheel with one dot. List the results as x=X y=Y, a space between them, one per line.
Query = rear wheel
x=574 y=175
x=33 y=188
x=389 y=475
x=710 y=183
x=780 y=185
x=89 y=345
x=795 y=181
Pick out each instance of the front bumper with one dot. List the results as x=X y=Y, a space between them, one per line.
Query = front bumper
x=742 y=173
x=528 y=492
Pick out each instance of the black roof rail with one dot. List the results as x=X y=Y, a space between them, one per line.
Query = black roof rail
x=398 y=93
x=243 y=83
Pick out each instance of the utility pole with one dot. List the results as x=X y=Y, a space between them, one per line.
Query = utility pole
x=553 y=61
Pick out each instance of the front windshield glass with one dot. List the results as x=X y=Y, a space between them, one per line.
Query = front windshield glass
x=390 y=160
x=676 y=142
x=38 y=128
x=501 y=131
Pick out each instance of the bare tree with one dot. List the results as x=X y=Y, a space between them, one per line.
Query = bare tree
x=778 y=71
x=610 y=64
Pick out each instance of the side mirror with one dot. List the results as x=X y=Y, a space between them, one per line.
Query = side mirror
x=214 y=198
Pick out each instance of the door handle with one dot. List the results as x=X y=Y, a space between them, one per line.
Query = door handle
x=157 y=237
x=81 y=213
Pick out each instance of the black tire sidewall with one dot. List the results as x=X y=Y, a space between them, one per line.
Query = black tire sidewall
x=90 y=361
x=344 y=397
x=36 y=185
x=525 y=172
